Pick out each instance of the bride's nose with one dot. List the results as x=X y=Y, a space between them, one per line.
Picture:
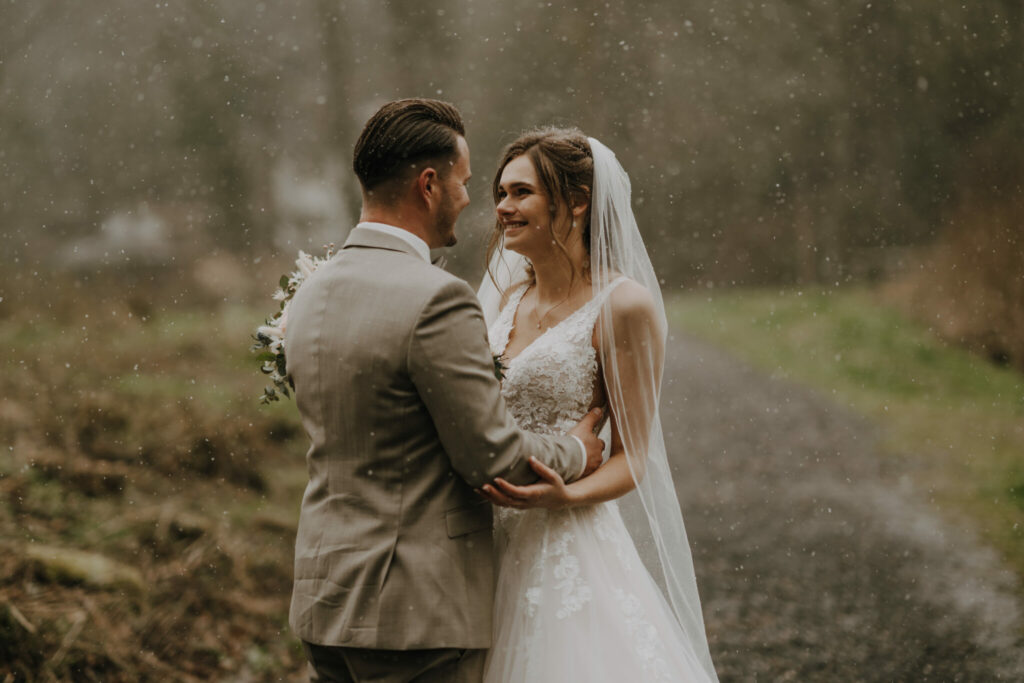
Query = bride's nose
x=503 y=207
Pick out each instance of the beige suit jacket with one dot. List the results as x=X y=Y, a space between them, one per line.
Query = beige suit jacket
x=395 y=385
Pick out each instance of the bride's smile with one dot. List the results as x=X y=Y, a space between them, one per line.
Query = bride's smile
x=513 y=228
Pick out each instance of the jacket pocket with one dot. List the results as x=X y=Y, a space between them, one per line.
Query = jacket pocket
x=466 y=520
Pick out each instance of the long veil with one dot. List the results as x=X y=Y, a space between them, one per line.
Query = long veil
x=632 y=358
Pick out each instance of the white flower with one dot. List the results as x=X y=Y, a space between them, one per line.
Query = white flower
x=306 y=264
x=270 y=337
x=269 y=331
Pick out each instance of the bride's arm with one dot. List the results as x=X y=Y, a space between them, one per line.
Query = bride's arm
x=632 y=388
x=612 y=480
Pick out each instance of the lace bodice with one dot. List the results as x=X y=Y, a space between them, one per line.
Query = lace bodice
x=549 y=386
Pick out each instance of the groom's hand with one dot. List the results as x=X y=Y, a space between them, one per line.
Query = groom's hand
x=550 y=492
x=586 y=431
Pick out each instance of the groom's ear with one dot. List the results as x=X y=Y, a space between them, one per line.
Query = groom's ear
x=428 y=185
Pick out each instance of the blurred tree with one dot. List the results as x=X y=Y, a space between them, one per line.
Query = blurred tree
x=786 y=141
x=336 y=56
x=220 y=91
x=21 y=23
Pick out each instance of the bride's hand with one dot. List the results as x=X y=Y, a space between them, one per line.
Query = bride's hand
x=550 y=492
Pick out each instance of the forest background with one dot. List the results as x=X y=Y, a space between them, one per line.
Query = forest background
x=161 y=164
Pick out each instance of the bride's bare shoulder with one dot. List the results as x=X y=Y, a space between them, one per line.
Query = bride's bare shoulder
x=631 y=302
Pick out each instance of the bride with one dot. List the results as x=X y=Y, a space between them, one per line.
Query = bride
x=576 y=317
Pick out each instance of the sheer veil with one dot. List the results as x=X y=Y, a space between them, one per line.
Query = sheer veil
x=632 y=352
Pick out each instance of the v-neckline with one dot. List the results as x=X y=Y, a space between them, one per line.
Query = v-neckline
x=512 y=327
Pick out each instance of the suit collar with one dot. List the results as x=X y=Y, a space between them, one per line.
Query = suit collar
x=367 y=237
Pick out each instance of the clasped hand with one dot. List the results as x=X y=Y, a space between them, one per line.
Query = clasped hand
x=550 y=492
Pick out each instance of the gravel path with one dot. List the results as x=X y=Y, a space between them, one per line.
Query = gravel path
x=817 y=559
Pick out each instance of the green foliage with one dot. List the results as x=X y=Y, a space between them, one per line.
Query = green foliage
x=499 y=368
x=850 y=341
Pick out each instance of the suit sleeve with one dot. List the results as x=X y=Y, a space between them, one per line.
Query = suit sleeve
x=451 y=365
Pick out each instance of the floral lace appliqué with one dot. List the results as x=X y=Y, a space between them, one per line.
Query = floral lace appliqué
x=645 y=637
x=557 y=568
x=575 y=592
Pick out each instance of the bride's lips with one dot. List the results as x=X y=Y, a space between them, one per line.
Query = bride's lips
x=513 y=228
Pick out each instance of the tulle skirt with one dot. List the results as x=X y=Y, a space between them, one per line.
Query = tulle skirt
x=574 y=602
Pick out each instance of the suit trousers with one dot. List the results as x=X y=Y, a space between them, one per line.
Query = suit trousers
x=329 y=664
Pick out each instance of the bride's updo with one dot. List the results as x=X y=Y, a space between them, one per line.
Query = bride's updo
x=564 y=165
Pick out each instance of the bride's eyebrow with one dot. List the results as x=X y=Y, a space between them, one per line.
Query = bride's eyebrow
x=515 y=184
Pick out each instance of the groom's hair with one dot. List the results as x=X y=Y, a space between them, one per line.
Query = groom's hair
x=402 y=136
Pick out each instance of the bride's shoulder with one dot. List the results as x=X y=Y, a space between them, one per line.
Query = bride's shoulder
x=630 y=300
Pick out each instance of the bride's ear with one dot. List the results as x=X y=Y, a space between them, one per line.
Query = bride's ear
x=581 y=202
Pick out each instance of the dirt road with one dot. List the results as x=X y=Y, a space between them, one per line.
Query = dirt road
x=817 y=557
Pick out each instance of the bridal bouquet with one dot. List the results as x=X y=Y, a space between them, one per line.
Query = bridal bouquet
x=270 y=336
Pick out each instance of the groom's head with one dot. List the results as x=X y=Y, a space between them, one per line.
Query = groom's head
x=412 y=162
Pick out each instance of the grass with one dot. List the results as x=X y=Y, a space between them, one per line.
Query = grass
x=131 y=429
x=953 y=411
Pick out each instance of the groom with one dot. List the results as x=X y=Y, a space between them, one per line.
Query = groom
x=395 y=385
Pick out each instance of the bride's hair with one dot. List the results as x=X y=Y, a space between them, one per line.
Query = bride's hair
x=565 y=169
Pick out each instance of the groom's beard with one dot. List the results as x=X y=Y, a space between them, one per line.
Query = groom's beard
x=446 y=218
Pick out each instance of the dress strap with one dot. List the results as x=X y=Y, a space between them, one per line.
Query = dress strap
x=607 y=291
x=502 y=328
x=585 y=318
x=597 y=301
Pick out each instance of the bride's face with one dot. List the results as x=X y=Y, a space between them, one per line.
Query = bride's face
x=524 y=208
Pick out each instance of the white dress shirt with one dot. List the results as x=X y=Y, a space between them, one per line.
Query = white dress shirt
x=423 y=250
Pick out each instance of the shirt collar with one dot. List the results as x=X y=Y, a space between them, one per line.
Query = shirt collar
x=412 y=240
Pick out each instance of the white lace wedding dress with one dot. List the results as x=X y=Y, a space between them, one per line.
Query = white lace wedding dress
x=574 y=601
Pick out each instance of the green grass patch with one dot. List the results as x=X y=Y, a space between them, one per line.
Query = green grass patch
x=960 y=414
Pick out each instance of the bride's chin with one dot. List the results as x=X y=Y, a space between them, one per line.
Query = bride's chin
x=510 y=242
x=510 y=245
